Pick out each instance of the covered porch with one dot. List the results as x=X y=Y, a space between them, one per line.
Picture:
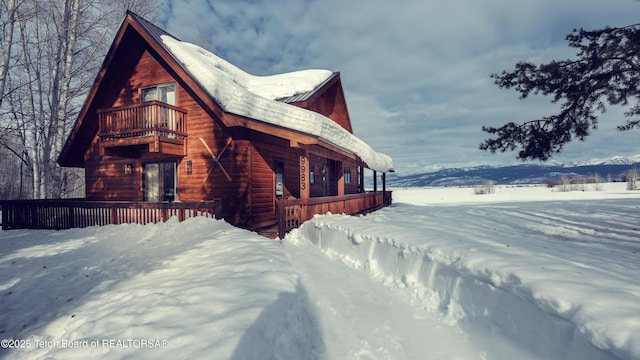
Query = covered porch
x=343 y=193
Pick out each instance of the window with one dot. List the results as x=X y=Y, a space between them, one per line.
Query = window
x=312 y=174
x=347 y=175
x=165 y=93
x=279 y=172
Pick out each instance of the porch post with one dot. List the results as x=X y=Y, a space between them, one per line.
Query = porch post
x=340 y=178
x=305 y=190
x=156 y=126
x=384 y=183
x=375 y=181
x=361 y=179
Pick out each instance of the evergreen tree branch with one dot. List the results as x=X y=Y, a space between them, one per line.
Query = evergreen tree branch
x=606 y=72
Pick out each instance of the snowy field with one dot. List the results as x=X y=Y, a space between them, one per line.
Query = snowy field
x=526 y=273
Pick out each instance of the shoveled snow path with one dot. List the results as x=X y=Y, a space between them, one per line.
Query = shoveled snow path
x=362 y=319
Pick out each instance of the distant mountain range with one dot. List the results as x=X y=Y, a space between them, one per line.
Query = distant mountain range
x=610 y=169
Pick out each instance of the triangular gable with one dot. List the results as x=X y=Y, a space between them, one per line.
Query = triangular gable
x=314 y=100
x=133 y=29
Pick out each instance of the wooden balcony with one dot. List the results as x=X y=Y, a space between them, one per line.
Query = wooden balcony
x=160 y=127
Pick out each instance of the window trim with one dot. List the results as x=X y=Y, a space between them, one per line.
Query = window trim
x=157 y=87
x=278 y=165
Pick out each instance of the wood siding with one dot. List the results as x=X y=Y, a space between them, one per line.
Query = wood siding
x=105 y=178
x=104 y=172
x=266 y=149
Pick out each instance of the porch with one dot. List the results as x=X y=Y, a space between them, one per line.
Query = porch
x=293 y=212
x=66 y=214
x=153 y=125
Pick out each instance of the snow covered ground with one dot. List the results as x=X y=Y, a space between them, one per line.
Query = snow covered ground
x=524 y=273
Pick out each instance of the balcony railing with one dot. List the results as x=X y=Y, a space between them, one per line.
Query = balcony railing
x=153 y=120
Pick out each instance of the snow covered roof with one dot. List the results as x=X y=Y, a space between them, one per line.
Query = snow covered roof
x=255 y=97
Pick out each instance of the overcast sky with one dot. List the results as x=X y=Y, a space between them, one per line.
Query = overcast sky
x=416 y=73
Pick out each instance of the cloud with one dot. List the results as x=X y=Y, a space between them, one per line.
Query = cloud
x=415 y=73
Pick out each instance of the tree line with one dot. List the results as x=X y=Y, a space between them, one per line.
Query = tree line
x=50 y=53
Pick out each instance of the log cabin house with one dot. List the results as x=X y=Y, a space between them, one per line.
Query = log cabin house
x=168 y=121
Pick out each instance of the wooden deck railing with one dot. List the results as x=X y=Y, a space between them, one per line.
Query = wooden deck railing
x=144 y=119
x=292 y=213
x=66 y=214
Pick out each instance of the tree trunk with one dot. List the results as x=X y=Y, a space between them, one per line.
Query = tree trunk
x=7 y=39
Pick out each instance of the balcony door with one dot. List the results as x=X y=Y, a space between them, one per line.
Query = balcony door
x=159 y=182
x=164 y=93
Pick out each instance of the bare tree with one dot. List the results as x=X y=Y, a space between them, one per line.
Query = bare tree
x=565 y=183
x=597 y=180
x=8 y=19
x=488 y=187
x=632 y=178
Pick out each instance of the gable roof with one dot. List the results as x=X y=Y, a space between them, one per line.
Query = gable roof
x=245 y=100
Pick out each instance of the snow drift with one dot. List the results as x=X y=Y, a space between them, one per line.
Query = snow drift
x=524 y=273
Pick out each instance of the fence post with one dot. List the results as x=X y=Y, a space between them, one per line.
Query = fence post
x=4 y=208
x=217 y=209
x=114 y=215
x=33 y=221
x=71 y=217
x=163 y=212
x=281 y=211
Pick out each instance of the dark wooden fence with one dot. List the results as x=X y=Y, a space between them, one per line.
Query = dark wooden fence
x=292 y=213
x=66 y=214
